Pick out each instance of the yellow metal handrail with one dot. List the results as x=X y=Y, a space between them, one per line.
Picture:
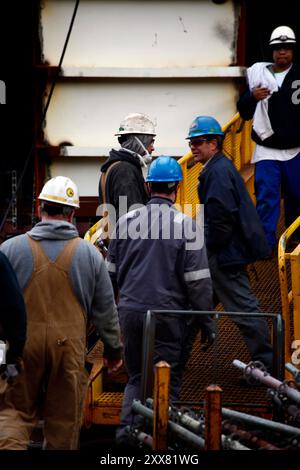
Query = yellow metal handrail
x=91 y=231
x=238 y=146
x=293 y=295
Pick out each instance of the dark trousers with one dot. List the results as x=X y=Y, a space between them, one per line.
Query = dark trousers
x=232 y=288
x=169 y=339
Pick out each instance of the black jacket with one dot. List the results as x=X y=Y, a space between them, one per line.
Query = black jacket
x=283 y=111
x=232 y=226
x=124 y=179
x=12 y=312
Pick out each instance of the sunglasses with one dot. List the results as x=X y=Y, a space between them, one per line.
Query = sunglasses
x=197 y=142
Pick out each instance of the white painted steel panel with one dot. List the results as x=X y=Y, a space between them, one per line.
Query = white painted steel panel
x=84 y=172
x=72 y=151
x=87 y=114
x=145 y=33
x=123 y=47
x=154 y=72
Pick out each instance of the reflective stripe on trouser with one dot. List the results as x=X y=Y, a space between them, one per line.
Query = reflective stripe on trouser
x=53 y=384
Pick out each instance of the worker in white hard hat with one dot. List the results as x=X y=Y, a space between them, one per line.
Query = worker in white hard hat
x=122 y=173
x=272 y=99
x=65 y=285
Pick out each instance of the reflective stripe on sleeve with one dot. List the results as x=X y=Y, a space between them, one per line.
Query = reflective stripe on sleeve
x=110 y=266
x=179 y=218
x=196 y=275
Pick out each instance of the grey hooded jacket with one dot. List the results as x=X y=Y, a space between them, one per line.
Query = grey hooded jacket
x=88 y=275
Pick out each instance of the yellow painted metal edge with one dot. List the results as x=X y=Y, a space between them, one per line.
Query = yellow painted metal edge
x=286 y=296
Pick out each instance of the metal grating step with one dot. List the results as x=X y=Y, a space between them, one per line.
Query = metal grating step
x=204 y=369
x=109 y=398
x=106 y=408
x=215 y=367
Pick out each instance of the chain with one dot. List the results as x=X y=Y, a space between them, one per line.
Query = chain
x=14 y=210
x=33 y=218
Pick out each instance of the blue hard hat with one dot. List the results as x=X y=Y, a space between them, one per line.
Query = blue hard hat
x=164 y=169
x=204 y=125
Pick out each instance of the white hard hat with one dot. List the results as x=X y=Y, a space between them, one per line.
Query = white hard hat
x=282 y=35
x=61 y=190
x=136 y=123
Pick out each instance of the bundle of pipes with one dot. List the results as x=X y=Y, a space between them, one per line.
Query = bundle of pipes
x=187 y=429
x=284 y=394
x=190 y=430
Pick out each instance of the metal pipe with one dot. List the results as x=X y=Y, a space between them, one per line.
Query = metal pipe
x=140 y=409
x=190 y=423
x=144 y=438
x=260 y=422
x=268 y=380
x=186 y=436
x=180 y=432
x=248 y=436
x=293 y=370
x=228 y=443
x=198 y=427
x=292 y=410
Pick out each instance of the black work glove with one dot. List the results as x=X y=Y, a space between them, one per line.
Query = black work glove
x=208 y=335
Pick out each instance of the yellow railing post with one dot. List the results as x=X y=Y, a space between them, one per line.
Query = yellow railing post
x=288 y=296
x=285 y=296
x=161 y=406
x=295 y=271
x=213 y=418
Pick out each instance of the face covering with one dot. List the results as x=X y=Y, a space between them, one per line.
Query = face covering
x=137 y=143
